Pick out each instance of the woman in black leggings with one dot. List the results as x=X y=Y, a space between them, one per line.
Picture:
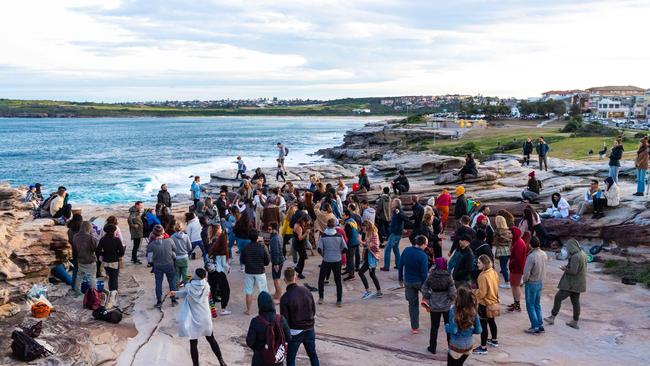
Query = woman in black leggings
x=370 y=254
x=300 y=235
x=195 y=318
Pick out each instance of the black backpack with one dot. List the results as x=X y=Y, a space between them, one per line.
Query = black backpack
x=25 y=348
x=112 y=316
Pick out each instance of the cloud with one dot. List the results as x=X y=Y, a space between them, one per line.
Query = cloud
x=143 y=50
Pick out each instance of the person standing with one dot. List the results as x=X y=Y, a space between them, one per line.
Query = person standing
x=241 y=168
x=487 y=295
x=218 y=268
x=194 y=229
x=370 y=259
x=136 y=228
x=443 y=203
x=300 y=240
x=183 y=247
x=527 y=150
x=412 y=272
x=439 y=293
x=110 y=250
x=463 y=323
x=255 y=257
x=534 y=273
x=162 y=252
x=352 y=233
x=194 y=318
x=502 y=244
x=330 y=246
x=282 y=154
x=462 y=271
x=84 y=245
x=572 y=283
x=164 y=197
x=396 y=229
x=542 y=150
x=418 y=212
x=196 y=190
x=258 y=330
x=460 y=207
x=277 y=259
x=383 y=215
x=615 y=159
x=641 y=164
x=297 y=306
x=516 y=266
x=279 y=174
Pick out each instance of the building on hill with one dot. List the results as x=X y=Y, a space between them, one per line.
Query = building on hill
x=611 y=91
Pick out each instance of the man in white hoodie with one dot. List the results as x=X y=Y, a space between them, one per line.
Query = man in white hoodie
x=194 y=232
x=194 y=318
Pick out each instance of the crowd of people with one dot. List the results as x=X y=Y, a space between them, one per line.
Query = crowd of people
x=257 y=226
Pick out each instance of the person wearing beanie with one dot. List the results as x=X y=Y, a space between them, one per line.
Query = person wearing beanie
x=257 y=330
x=531 y=192
x=161 y=252
x=460 y=207
x=572 y=283
x=363 y=180
x=194 y=317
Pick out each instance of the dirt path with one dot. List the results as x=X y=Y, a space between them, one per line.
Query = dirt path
x=615 y=327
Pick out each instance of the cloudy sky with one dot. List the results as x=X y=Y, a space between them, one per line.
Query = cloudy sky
x=134 y=50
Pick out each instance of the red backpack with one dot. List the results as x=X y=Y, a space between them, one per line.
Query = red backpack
x=92 y=299
x=275 y=349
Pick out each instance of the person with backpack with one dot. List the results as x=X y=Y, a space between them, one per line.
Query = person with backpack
x=84 y=245
x=412 y=272
x=527 y=150
x=268 y=334
x=531 y=192
x=109 y=251
x=438 y=294
x=162 y=253
x=297 y=306
x=194 y=317
x=330 y=246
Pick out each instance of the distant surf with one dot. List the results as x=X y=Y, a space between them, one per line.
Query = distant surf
x=120 y=160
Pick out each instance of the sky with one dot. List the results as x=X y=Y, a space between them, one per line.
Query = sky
x=143 y=50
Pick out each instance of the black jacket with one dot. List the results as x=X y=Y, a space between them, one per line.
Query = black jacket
x=255 y=257
x=528 y=147
x=256 y=337
x=110 y=248
x=460 y=208
x=402 y=180
x=418 y=214
x=463 y=270
x=462 y=231
x=297 y=306
x=616 y=155
x=165 y=198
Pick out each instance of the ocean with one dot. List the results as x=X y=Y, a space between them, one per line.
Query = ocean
x=120 y=160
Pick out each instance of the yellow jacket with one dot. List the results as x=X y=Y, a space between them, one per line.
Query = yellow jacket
x=286 y=229
x=488 y=287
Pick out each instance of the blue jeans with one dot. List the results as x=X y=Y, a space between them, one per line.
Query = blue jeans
x=231 y=243
x=75 y=271
x=168 y=271
x=503 y=263
x=533 y=306
x=640 y=180
x=392 y=244
x=306 y=338
x=613 y=172
x=241 y=244
x=204 y=253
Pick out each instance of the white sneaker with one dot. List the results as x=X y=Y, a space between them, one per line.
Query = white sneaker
x=505 y=285
x=225 y=312
x=366 y=295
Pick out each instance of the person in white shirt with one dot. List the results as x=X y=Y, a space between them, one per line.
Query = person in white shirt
x=559 y=209
x=259 y=201
x=342 y=190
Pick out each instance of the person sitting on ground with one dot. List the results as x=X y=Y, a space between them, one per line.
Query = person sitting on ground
x=559 y=208
x=297 y=306
x=258 y=329
x=463 y=323
x=602 y=152
x=59 y=206
x=401 y=183
x=532 y=190
x=469 y=168
x=412 y=272
x=364 y=182
x=572 y=283
x=32 y=198
x=612 y=196
x=591 y=195
x=438 y=294
x=194 y=318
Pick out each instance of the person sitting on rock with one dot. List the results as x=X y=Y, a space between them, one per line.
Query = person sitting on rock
x=532 y=190
x=559 y=209
x=363 y=183
x=401 y=183
x=611 y=197
x=59 y=206
x=469 y=168
x=32 y=198
x=590 y=196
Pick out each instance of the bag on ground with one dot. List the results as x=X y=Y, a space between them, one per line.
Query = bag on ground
x=275 y=349
x=92 y=299
x=25 y=348
x=112 y=316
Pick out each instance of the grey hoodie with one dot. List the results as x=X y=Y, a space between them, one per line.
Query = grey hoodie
x=331 y=245
x=182 y=244
x=163 y=252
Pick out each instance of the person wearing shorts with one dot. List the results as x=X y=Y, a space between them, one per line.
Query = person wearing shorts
x=255 y=258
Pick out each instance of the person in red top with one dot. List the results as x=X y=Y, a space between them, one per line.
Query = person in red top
x=443 y=202
x=518 y=254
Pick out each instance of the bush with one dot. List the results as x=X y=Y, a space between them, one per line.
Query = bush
x=574 y=124
x=640 y=135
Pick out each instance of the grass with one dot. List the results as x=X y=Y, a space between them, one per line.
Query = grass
x=623 y=268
